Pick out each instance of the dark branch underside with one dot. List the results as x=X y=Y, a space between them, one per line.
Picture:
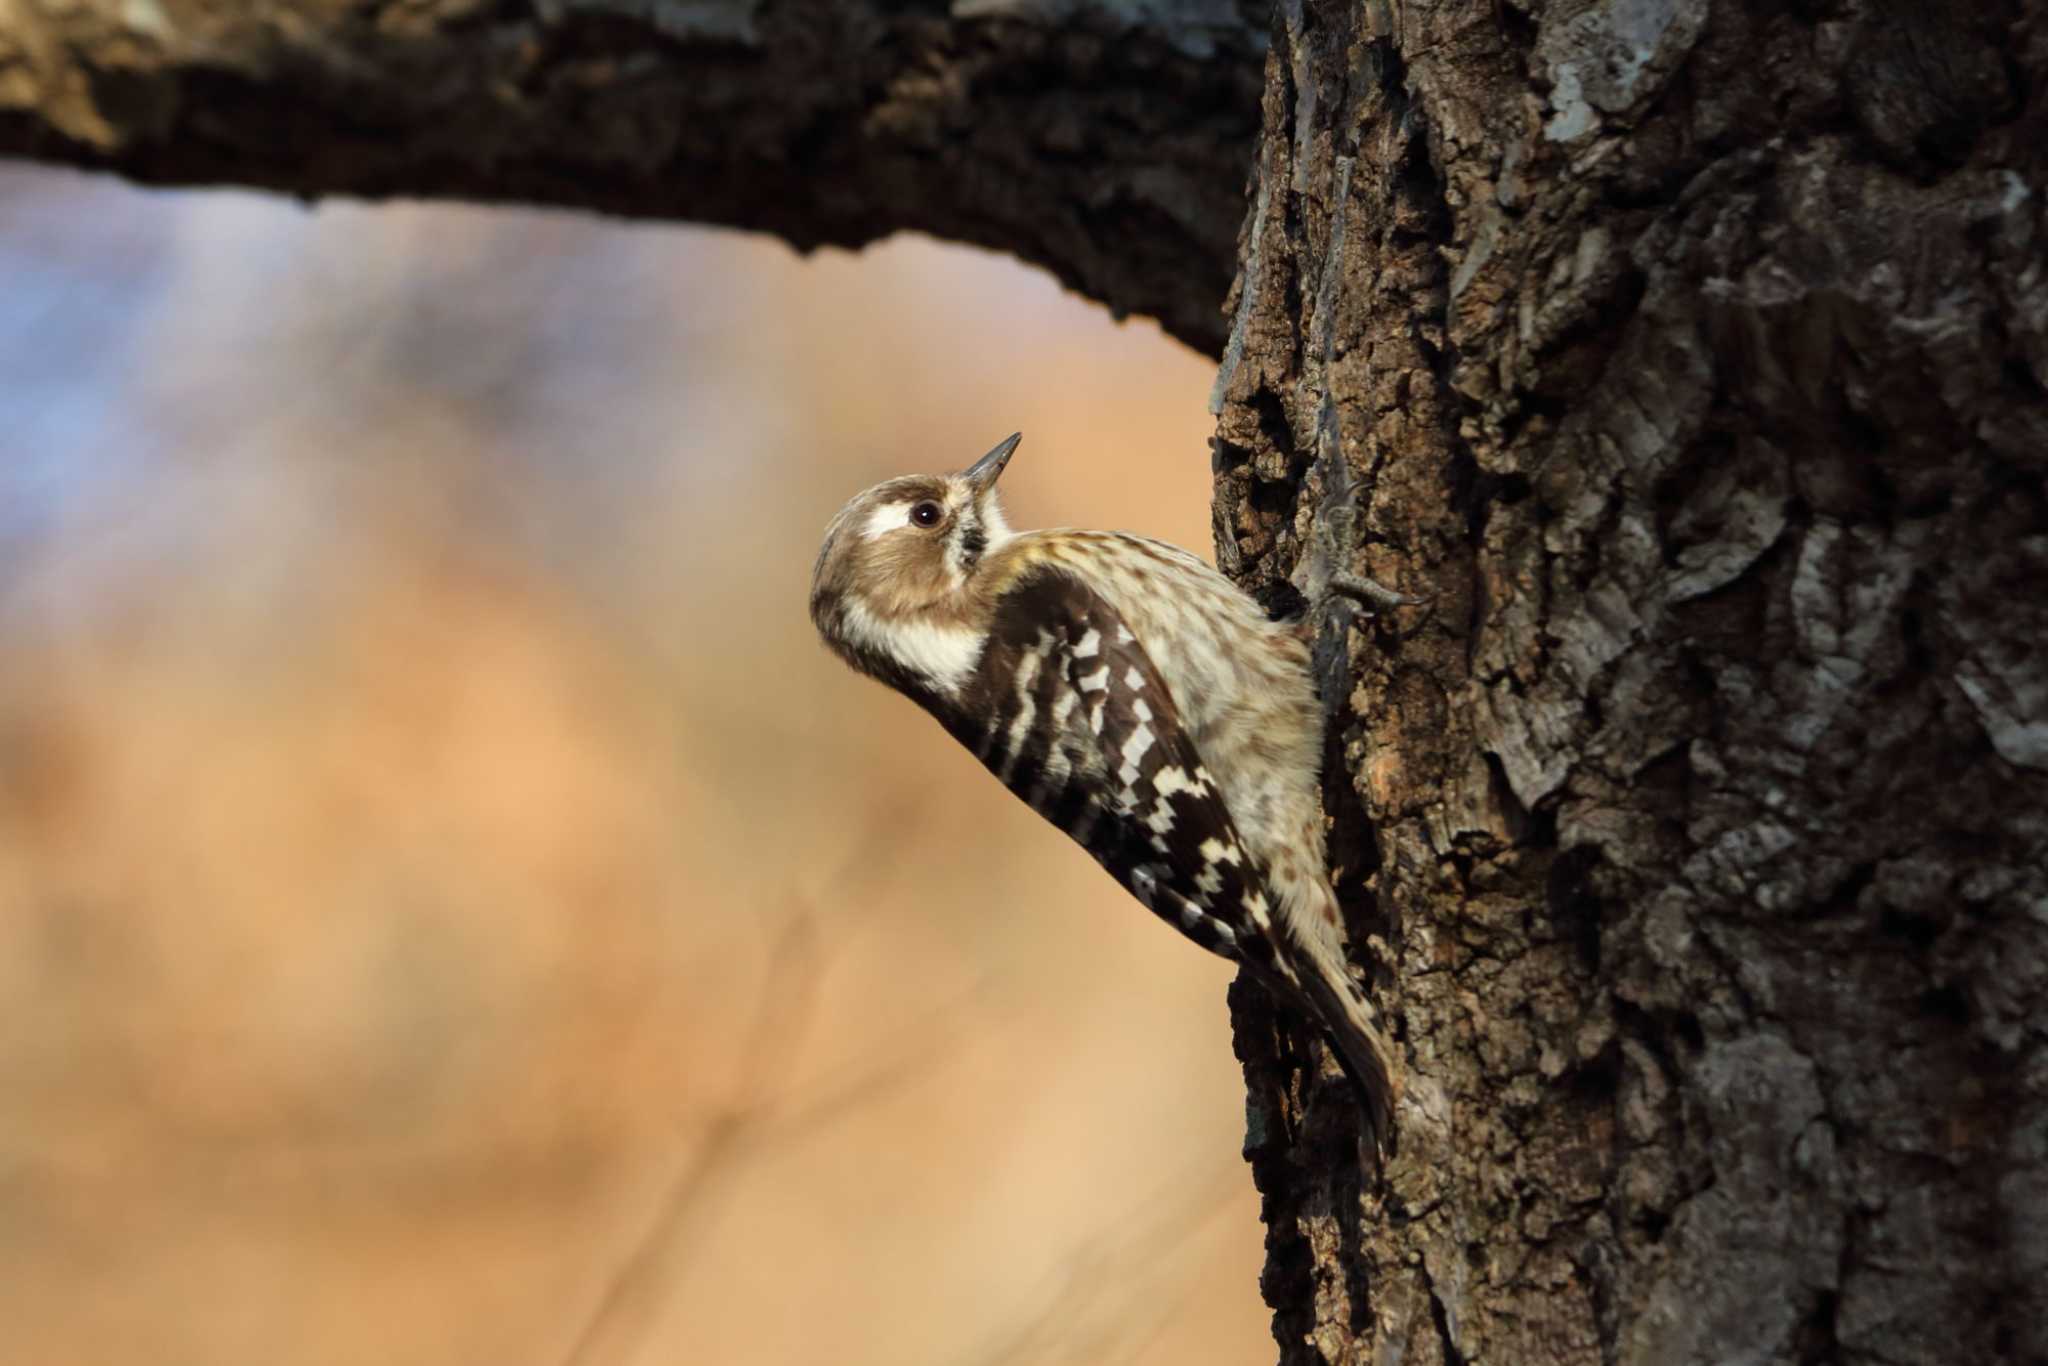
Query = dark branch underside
x=1106 y=142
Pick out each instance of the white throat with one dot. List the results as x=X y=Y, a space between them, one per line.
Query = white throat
x=946 y=655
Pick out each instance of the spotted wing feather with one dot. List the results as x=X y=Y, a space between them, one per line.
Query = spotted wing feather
x=1072 y=714
x=1070 y=711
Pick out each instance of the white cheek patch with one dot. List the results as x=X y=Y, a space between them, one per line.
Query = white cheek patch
x=947 y=655
x=993 y=524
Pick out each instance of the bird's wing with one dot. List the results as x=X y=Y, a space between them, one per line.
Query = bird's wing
x=1084 y=728
x=1070 y=711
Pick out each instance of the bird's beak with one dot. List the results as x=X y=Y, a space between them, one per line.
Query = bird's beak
x=981 y=476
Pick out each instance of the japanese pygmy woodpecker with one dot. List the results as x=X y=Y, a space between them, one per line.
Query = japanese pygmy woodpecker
x=1135 y=698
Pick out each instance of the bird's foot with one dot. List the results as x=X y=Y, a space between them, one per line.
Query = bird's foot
x=1369 y=593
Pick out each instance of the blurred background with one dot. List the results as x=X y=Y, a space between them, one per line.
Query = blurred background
x=451 y=908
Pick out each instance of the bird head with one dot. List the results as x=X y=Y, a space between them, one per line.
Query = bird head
x=893 y=588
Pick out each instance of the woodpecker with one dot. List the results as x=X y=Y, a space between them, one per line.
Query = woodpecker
x=1132 y=696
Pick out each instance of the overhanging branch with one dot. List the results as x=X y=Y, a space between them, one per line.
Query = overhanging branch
x=1107 y=140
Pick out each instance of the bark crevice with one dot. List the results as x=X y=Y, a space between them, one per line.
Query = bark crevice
x=1706 y=414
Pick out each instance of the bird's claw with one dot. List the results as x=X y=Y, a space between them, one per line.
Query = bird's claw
x=1363 y=590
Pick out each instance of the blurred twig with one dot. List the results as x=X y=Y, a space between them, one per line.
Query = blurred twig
x=1115 y=1264
x=759 y=1113
x=788 y=997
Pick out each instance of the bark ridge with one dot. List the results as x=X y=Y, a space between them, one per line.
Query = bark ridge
x=1692 y=356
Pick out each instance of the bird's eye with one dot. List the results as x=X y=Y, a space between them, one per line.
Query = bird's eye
x=927 y=514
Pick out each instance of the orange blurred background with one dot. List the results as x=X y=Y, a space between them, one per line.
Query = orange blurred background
x=451 y=908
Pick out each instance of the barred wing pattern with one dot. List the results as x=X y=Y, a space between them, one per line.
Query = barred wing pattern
x=1070 y=712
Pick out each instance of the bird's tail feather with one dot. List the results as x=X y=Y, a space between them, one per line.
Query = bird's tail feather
x=1351 y=1025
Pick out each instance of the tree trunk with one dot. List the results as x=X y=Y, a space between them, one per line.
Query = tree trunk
x=1689 y=357
x=1692 y=358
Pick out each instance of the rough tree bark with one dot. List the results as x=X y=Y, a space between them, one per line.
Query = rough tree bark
x=1691 y=356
